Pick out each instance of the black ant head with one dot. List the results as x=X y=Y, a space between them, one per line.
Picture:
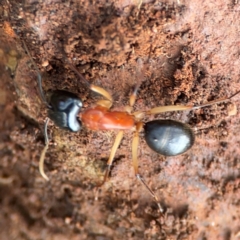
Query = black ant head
x=64 y=108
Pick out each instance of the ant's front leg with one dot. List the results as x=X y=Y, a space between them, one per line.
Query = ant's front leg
x=104 y=103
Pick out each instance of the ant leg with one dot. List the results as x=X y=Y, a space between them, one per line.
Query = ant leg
x=105 y=103
x=171 y=108
x=133 y=96
x=216 y=101
x=135 y=144
x=115 y=146
x=41 y=161
x=132 y=100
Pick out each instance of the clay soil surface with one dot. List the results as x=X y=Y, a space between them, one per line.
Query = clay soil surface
x=180 y=52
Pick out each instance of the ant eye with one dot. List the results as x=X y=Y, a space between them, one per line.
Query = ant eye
x=168 y=137
x=64 y=110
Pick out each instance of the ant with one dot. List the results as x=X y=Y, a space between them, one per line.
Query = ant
x=164 y=136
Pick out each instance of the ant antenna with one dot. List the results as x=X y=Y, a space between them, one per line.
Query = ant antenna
x=39 y=81
x=39 y=77
x=41 y=161
x=78 y=73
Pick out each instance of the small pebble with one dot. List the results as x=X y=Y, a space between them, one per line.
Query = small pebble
x=45 y=63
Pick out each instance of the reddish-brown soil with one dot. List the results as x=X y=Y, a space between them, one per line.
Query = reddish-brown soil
x=181 y=52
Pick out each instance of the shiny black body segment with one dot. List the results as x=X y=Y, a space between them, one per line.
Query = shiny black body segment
x=168 y=137
x=64 y=109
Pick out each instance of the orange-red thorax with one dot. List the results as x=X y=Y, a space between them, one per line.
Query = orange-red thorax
x=100 y=118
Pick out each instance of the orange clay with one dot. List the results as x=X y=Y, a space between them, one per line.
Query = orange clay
x=100 y=118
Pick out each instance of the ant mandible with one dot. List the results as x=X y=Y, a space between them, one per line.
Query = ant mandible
x=166 y=137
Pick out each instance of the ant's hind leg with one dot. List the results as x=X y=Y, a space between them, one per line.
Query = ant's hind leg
x=135 y=144
x=172 y=108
